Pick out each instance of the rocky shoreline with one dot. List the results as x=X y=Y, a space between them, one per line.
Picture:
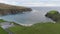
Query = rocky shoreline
x=13 y=11
x=6 y=9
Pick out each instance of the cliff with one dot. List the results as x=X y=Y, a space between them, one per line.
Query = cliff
x=10 y=9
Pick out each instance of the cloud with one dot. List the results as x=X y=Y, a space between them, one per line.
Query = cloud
x=32 y=2
x=41 y=4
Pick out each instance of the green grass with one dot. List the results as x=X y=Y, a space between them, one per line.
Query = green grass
x=53 y=12
x=3 y=31
x=1 y=20
x=40 y=28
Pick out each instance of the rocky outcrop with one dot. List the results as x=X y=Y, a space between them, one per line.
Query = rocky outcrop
x=54 y=15
x=10 y=9
x=51 y=13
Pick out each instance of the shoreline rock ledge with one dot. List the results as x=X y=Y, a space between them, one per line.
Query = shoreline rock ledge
x=6 y=9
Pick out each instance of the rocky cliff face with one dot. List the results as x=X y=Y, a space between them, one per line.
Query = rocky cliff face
x=9 y=9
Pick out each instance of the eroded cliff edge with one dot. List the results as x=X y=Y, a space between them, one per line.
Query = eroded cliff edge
x=10 y=9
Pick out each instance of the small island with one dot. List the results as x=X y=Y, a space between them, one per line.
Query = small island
x=54 y=15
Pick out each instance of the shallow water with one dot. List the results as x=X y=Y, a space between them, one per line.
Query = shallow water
x=35 y=16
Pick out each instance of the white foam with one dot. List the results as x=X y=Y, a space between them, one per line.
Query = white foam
x=26 y=24
x=33 y=11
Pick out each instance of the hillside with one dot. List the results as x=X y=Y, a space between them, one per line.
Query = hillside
x=10 y=9
x=3 y=31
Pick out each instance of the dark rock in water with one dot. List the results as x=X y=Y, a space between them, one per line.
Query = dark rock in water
x=10 y=9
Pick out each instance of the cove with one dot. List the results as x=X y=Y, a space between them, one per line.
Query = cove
x=35 y=16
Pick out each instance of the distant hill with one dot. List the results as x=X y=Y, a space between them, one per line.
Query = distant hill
x=10 y=9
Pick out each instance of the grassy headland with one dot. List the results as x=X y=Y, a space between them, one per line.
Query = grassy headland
x=40 y=28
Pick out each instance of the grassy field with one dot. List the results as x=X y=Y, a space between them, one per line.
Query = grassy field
x=40 y=28
x=3 y=31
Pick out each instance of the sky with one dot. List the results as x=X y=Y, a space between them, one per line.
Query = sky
x=32 y=3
